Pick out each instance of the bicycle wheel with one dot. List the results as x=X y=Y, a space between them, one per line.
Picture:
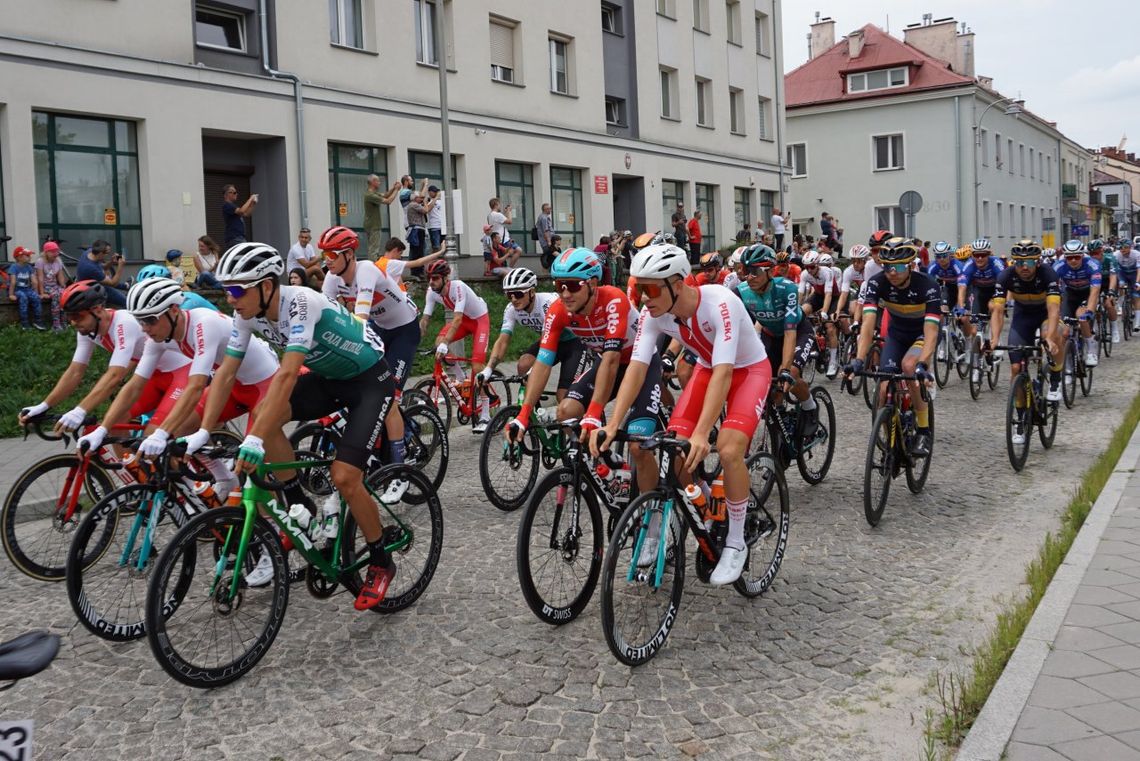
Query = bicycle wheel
x=766 y=525
x=313 y=441
x=439 y=399
x=204 y=638
x=426 y=447
x=1018 y=420
x=105 y=585
x=962 y=363
x=1046 y=420
x=1104 y=333
x=807 y=372
x=917 y=469
x=976 y=369
x=878 y=468
x=870 y=387
x=814 y=460
x=639 y=604
x=559 y=554
x=993 y=373
x=508 y=472
x=412 y=397
x=417 y=526
x=1069 y=377
x=35 y=534
x=943 y=358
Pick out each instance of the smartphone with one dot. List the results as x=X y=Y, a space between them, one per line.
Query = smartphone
x=256 y=197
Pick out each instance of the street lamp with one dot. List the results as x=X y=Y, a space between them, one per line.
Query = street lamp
x=1015 y=107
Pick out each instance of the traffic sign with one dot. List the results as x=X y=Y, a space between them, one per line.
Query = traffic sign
x=910 y=202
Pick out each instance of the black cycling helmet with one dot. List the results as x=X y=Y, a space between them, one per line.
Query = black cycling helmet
x=898 y=251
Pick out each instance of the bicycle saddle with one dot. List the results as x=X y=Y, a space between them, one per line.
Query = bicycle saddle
x=27 y=654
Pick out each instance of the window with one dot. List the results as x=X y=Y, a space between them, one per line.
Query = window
x=560 y=65
x=1041 y=166
x=514 y=185
x=704 y=106
x=742 y=209
x=425 y=11
x=615 y=111
x=1021 y=157
x=1112 y=199
x=1011 y=228
x=502 y=51
x=882 y=79
x=1032 y=166
x=797 y=160
x=985 y=218
x=701 y=15
x=890 y=218
x=997 y=151
x=732 y=11
x=566 y=205
x=672 y=193
x=219 y=29
x=87 y=181
x=426 y=165
x=1049 y=168
x=985 y=148
x=349 y=167
x=611 y=19
x=1024 y=230
x=888 y=152
x=767 y=205
x=736 y=111
x=1000 y=221
x=667 y=8
x=669 y=93
x=346 y=27
x=706 y=205
x=762 y=34
x=762 y=124
x=1009 y=152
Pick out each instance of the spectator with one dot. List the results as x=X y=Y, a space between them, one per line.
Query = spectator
x=500 y=219
x=235 y=215
x=826 y=228
x=603 y=252
x=544 y=225
x=680 y=228
x=759 y=231
x=206 y=261
x=435 y=218
x=417 y=211
x=373 y=197
x=304 y=255
x=779 y=224
x=174 y=266
x=52 y=281
x=298 y=276
x=500 y=257
x=485 y=241
x=93 y=266
x=394 y=266
x=695 y=236
x=627 y=249
x=24 y=288
x=744 y=236
x=555 y=249
x=407 y=187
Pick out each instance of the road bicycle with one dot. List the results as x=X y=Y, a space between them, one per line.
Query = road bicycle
x=888 y=450
x=951 y=351
x=820 y=353
x=206 y=627
x=1126 y=312
x=1076 y=370
x=1027 y=407
x=1102 y=327
x=782 y=435
x=981 y=364
x=444 y=391
x=641 y=599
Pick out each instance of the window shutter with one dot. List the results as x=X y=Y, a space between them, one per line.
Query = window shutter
x=502 y=46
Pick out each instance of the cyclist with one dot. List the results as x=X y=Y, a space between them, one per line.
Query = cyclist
x=1036 y=294
x=603 y=319
x=1128 y=258
x=816 y=292
x=710 y=271
x=786 y=269
x=915 y=306
x=190 y=300
x=528 y=308
x=347 y=370
x=733 y=279
x=946 y=270
x=981 y=274
x=470 y=319
x=731 y=370
x=850 y=285
x=1081 y=280
x=1109 y=269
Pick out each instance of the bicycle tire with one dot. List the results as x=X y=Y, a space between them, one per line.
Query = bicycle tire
x=880 y=459
x=962 y=364
x=764 y=557
x=507 y=472
x=942 y=363
x=917 y=469
x=1018 y=417
x=814 y=474
x=619 y=560
x=196 y=560
x=441 y=401
x=33 y=539
x=1047 y=422
x=1086 y=379
x=993 y=373
x=1104 y=332
x=426 y=447
x=413 y=397
x=870 y=388
x=551 y=519
x=975 y=353
x=1069 y=377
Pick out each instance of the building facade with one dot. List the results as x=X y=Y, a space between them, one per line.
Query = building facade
x=128 y=122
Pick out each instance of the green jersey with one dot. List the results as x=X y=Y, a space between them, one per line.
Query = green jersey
x=776 y=309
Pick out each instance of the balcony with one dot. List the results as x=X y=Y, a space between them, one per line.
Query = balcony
x=1068 y=191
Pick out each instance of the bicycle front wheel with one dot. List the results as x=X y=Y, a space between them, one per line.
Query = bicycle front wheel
x=976 y=369
x=870 y=386
x=814 y=458
x=918 y=468
x=207 y=637
x=765 y=526
x=1086 y=377
x=878 y=468
x=1018 y=422
x=426 y=446
x=1069 y=377
x=640 y=598
x=508 y=472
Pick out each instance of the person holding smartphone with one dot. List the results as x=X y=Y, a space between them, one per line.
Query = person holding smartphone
x=234 y=215
x=94 y=266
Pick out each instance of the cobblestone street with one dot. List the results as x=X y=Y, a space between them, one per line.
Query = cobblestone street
x=835 y=661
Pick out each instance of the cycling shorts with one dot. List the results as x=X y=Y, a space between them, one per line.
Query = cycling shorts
x=480 y=328
x=400 y=346
x=895 y=348
x=774 y=346
x=815 y=301
x=981 y=300
x=162 y=391
x=365 y=398
x=744 y=407
x=569 y=359
x=642 y=418
x=243 y=398
x=1128 y=276
x=1072 y=300
x=1023 y=330
x=950 y=296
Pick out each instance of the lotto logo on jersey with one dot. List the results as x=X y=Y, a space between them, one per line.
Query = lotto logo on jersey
x=612 y=317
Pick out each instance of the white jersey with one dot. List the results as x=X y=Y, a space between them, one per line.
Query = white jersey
x=836 y=278
x=719 y=333
x=852 y=279
x=125 y=340
x=821 y=282
x=871 y=269
x=394 y=269
x=458 y=297
x=372 y=296
x=204 y=344
x=731 y=280
x=534 y=319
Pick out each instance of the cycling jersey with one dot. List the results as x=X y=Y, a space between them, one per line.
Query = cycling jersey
x=981 y=277
x=870 y=269
x=1108 y=266
x=720 y=332
x=947 y=276
x=1032 y=295
x=910 y=306
x=776 y=309
x=372 y=295
x=821 y=281
x=458 y=297
x=731 y=280
x=792 y=272
x=697 y=279
x=1129 y=262
x=335 y=345
x=852 y=280
x=533 y=319
x=204 y=344
x=125 y=340
x=1081 y=278
x=610 y=326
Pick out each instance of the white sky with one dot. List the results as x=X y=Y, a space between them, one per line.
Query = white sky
x=1077 y=64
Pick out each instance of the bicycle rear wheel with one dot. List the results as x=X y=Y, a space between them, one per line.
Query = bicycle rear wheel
x=976 y=369
x=1069 y=377
x=917 y=469
x=870 y=387
x=1046 y=415
x=438 y=397
x=815 y=460
x=878 y=468
x=943 y=358
x=508 y=472
x=766 y=525
x=203 y=638
x=1104 y=333
x=993 y=373
x=1018 y=422
x=426 y=446
x=638 y=610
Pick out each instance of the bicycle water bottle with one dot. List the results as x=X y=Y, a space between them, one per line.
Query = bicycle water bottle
x=205 y=490
x=695 y=496
x=304 y=519
x=330 y=516
x=544 y=415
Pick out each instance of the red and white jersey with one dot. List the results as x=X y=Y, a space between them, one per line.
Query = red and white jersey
x=125 y=340
x=372 y=295
x=610 y=326
x=836 y=279
x=458 y=297
x=204 y=345
x=852 y=278
x=821 y=282
x=720 y=332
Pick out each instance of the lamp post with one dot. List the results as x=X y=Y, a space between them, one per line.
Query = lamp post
x=444 y=130
x=1014 y=108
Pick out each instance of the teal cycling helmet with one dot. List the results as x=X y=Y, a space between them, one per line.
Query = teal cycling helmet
x=576 y=264
x=151 y=270
x=1096 y=245
x=759 y=256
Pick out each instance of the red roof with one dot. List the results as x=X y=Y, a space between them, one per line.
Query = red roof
x=823 y=79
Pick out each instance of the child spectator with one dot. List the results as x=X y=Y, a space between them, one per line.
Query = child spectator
x=24 y=288
x=501 y=257
x=174 y=264
x=52 y=281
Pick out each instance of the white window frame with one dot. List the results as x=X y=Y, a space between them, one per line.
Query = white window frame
x=899 y=161
x=732 y=15
x=338 y=25
x=703 y=89
x=764 y=108
x=670 y=107
x=895 y=214
x=667 y=8
x=1000 y=221
x=858 y=82
x=500 y=73
x=736 y=120
x=619 y=107
x=240 y=18
x=553 y=41
x=763 y=37
x=1009 y=150
x=1032 y=165
x=614 y=13
x=426 y=38
x=998 y=163
x=985 y=231
x=1021 y=158
x=701 y=15
x=791 y=164
x=983 y=138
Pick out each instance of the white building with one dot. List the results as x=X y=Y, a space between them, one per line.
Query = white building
x=871 y=117
x=122 y=120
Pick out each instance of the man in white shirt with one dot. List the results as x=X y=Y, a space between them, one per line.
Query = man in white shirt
x=435 y=218
x=303 y=255
x=779 y=227
x=499 y=220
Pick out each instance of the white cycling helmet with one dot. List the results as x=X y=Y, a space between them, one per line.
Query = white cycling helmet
x=942 y=247
x=859 y=251
x=1136 y=241
x=810 y=258
x=824 y=260
x=153 y=296
x=1073 y=248
x=659 y=262
x=519 y=279
x=734 y=259
x=981 y=246
x=249 y=263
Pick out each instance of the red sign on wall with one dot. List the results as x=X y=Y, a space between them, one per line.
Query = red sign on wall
x=601 y=184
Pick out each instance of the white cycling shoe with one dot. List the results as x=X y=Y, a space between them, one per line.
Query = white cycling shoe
x=395 y=491
x=1091 y=359
x=262 y=573
x=729 y=567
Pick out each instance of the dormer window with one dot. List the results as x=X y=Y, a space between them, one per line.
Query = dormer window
x=883 y=79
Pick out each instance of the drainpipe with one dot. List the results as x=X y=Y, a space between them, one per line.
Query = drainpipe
x=299 y=101
x=776 y=102
x=958 y=161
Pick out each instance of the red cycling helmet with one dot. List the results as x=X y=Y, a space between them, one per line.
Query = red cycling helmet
x=438 y=267
x=83 y=295
x=879 y=237
x=338 y=238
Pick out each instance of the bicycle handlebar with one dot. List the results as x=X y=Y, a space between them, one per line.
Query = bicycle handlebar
x=265 y=481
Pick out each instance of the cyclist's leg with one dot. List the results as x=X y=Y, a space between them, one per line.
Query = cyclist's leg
x=742 y=416
x=579 y=394
x=642 y=420
x=569 y=358
x=481 y=332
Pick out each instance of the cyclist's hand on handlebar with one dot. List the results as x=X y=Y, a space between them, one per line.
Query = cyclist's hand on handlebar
x=922 y=372
x=854 y=367
x=698 y=450
x=196 y=440
x=92 y=441
x=959 y=311
x=35 y=410
x=250 y=454
x=155 y=444
x=441 y=350
x=668 y=364
x=71 y=420
x=515 y=430
x=601 y=439
x=485 y=374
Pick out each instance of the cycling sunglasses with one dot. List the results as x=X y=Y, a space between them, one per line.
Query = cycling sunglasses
x=942 y=256
x=896 y=266
x=980 y=256
x=1026 y=263
x=755 y=269
x=1074 y=257
x=650 y=290
x=237 y=291
x=516 y=295
x=151 y=320
x=570 y=286
x=330 y=255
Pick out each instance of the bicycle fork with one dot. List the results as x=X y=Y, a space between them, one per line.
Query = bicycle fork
x=642 y=533
x=150 y=513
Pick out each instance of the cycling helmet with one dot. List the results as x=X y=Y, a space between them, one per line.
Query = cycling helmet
x=711 y=261
x=659 y=262
x=153 y=297
x=83 y=295
x=810 y=258
x=1135 y=242
x=859 y=251
x=825 y=260
x=1096 y=245
x=782 y=257
x=942 y=247
x=667 y=238
x=249 y=263
x=734 y=259
x=643 y=240
x=898 y=251
x=338 y=239
x=1124 y=244
x=582 y=264
x=962 y=254
x=151 y=270
x=879 y=237
x=173 y=254
x=981 y=246
x=520 y=279
x=1025 y=249
x=759 y=256
x=1073 y=248
x=438 y=268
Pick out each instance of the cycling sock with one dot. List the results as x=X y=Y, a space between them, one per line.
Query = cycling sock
x=295 y=495
x=485 y=407
x=224 y=478
x=922 y=417
x=396 y=451
x=736 y=513
x=377 y=555
x=807 y=405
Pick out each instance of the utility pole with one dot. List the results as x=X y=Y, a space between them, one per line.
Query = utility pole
x=445 y=141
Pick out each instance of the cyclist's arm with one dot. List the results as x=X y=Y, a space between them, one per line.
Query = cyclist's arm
x=930 y=341
x=828 y=287
x=220 y=388
x=453 y=326
x=68 y=382
x=499 y=350
x=102 y=391
x=124 y=400
x=274 y=406
x=867 y=330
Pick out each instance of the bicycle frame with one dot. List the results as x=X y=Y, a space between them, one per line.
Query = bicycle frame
x=465 y=405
